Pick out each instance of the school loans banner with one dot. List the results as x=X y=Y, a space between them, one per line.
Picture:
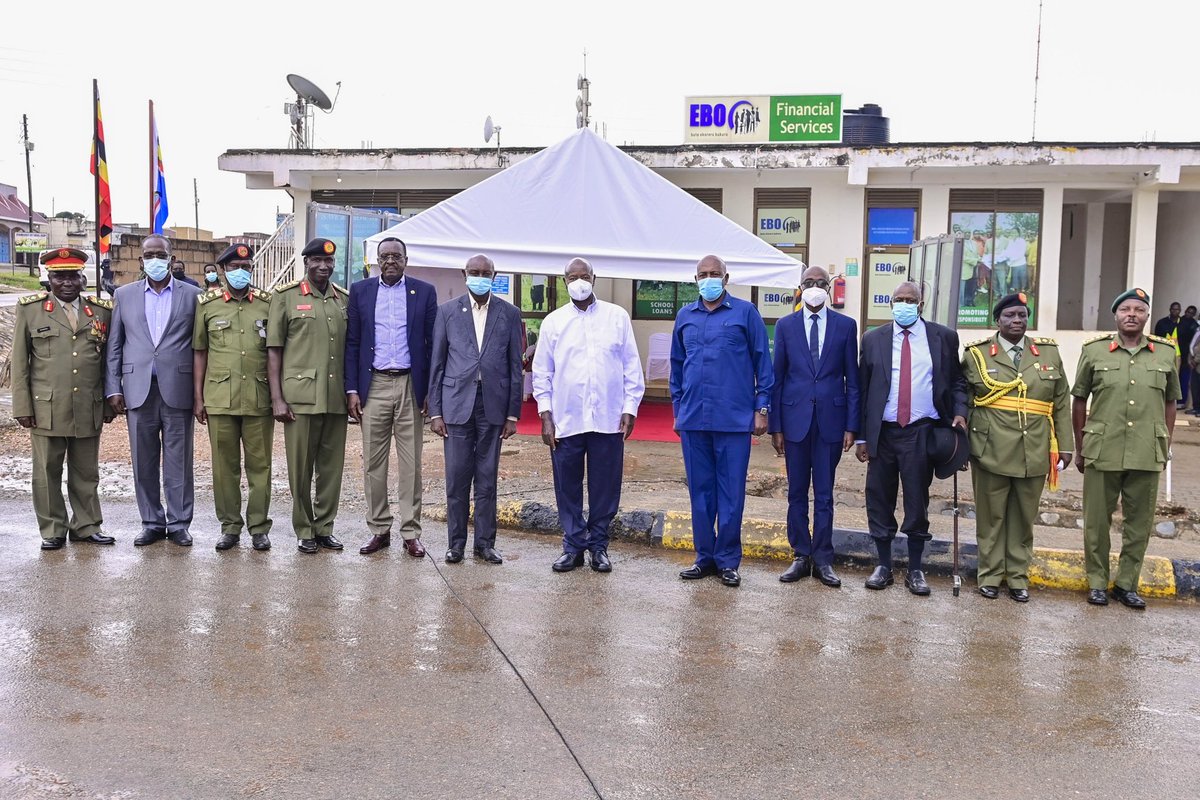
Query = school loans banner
x=763 y=118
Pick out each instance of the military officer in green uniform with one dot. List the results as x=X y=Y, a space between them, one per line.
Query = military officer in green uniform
x=58 y=393
x=229 y=376
x=1019 y=408
x=1124 y=442
x=306 y=339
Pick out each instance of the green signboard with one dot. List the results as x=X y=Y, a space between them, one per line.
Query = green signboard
x=764 y=118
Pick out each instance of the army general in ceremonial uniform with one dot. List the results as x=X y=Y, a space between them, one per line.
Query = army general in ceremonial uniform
x=58 y=393
x=1019 y=409
x=306 y=339
x=1124 y=442
x=233 y=398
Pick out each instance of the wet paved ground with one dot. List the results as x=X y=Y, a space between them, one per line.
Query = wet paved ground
x=164 y=672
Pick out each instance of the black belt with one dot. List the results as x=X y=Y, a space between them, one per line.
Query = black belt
x=390 y=371
x=913 y=424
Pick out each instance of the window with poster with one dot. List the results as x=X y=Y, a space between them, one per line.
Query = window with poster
x=781 y=217
x=891 y=224
x=1002 y=229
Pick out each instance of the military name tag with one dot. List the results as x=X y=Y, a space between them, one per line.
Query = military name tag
x=220 y=323
x=304 y=307
x=43 y=330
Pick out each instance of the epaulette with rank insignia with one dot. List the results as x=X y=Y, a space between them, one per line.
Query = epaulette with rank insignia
x=283 y=287
x=96 y=301
x=33 y=298
x=1161 y=340
x=1046 y=340
x=1102 y=337
x=984 y=340
x=341 y=289
x=263 y=294
x=208 y=296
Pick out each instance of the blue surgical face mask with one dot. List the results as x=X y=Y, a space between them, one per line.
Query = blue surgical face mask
x=237 y=278
x=710 y=288
x=156 y=268
x=905 y=314
x=479 y=286
x=210 y=277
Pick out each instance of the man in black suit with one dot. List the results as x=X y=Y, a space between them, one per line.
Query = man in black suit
x=911 y=381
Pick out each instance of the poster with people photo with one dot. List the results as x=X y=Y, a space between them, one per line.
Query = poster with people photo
x=999 y=257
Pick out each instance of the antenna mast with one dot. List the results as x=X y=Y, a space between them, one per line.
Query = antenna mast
x=583 y=104
x=1037 y=69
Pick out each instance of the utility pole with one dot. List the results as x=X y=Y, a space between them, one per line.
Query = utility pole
x=28 y=180
x=196 y=205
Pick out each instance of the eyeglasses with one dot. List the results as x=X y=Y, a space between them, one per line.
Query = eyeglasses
x=391 y=257
x=818 y=284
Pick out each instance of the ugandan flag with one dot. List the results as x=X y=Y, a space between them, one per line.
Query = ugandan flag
x=104 y=223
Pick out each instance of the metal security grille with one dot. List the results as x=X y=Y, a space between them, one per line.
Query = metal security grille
x=782 y=198
x=710 y=197
x=996 y=199
x=893 y=198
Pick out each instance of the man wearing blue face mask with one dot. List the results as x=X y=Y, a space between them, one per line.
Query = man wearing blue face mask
x=233 y=399
x=911 y=381
x=149 y=374
x=721 y=379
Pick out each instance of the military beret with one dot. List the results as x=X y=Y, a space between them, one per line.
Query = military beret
x=1130 y=294
x=70 y=259
x=242 y=252
x=1009 y=300
x=319 y=247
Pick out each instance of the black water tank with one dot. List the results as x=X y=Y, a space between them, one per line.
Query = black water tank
x=865 y=126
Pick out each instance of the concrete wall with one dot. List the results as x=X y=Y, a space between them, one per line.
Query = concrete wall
x=1177 y=264
x=195 y=254
x=1114 y=261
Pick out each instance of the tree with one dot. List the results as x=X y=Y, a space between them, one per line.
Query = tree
x=71 y=215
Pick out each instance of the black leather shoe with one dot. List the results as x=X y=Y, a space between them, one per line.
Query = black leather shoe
x=329 y=542
x=1020 y=595
x=453 y=556
x=1128 y=599
x=227 y=541
x=801 y=567
x=308 y=546
x=881 y=578
x=915 y=581
x=489 y=554
x=825 y=574
x=261 y=541
x=695 y=572
x=567 y=562
x=990 y=592
x=54 y=544
x=95 y=538
x=730 y=577
x=601 y=562
x=1098 y=597
x=149 y=537
x=181 y=538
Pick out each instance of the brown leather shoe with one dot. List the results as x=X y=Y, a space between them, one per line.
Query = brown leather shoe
x=414 y=548
x=378 y=542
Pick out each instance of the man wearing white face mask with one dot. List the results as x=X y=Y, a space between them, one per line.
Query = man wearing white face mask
x=149 y=373
x=813 y=418
x=587 y=380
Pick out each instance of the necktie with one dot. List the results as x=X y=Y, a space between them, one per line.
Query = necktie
x=1016 y=356
x=814 y=344
x=904 y=402
x=72 y=317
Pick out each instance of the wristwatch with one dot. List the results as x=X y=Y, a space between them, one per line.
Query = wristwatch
x=764 y=411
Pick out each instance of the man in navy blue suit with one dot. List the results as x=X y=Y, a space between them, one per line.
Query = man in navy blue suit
x=814 y=414
x=389 y=348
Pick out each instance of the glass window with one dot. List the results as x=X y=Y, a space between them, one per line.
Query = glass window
x=774 y=302
x=999 y=258
x=885 y=271
x=361 y=227
x=534 y=294
x=335 y=227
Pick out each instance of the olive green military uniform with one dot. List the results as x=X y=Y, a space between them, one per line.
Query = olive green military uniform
x=238 y=402
x=311 y=329
x=58 y=379
x=1125 y=444
x=1010 y=449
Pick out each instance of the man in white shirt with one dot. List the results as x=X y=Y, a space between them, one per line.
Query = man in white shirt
x=1018 y=266
x=587 y=380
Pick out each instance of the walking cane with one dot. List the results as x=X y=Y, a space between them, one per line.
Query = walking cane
x=957 y=577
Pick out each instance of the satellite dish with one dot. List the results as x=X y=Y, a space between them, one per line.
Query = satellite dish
x=488 y=129
x=310 y=92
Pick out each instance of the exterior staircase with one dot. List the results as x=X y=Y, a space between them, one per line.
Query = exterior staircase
x=275 y=261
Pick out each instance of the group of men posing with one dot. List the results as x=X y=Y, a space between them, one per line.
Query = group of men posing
x=310 y=354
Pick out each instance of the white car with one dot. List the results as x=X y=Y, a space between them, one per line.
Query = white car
x=89 y=269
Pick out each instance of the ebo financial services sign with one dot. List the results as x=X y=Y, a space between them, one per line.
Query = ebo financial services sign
x=763 y=118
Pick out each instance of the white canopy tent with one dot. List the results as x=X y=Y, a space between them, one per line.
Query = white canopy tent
x=585 y=198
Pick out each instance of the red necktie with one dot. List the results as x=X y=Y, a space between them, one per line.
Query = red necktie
x=904 y=402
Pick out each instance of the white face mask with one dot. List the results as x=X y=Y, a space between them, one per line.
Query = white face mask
x=814 y=296
x=579 y=290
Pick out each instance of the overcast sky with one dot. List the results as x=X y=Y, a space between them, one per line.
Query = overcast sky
x=427 y=74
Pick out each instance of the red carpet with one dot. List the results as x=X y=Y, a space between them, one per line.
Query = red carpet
x=653 y=422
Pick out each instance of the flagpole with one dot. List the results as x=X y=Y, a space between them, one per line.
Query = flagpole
x=96 y=181
x=151 y=136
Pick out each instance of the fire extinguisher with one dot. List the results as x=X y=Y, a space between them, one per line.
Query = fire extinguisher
x=838 y=300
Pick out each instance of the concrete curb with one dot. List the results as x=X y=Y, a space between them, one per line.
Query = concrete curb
x=1051 y=568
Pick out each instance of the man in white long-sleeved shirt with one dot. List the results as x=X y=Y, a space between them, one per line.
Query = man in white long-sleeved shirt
x=587 y=380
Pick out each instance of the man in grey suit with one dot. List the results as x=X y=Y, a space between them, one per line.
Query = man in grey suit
x=474 y=402
x=149 y=375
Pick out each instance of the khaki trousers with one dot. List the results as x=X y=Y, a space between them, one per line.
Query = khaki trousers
x=316 y=452
x=1005 y=509
x=391 y=413
x=83 y=480
x=230 y=435
x=1138 y=492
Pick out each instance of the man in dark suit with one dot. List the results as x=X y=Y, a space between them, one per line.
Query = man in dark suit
x=474 y=402
x=149 y=374
x=912 y=381
x=814 y=415
x=389 y=345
